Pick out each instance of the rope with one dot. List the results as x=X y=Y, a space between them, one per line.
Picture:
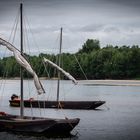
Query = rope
x=30 y=100
x=26 y=38
x=14 y=28
x=39 y=107
x=26 y=19
x=61 y=107
x=27 y=43
x=80 y=67
x=48 y=73
x=108 y=108
x=6 y=73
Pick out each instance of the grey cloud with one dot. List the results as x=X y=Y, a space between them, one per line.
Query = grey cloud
x=110 y=29
x=105 y=20
x=130 y=3
x=41 y=29
x=91 y=28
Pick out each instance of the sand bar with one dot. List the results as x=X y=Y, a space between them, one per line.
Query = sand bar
x=110 y=82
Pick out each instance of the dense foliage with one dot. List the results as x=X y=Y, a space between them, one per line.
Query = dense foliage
x=110 y=62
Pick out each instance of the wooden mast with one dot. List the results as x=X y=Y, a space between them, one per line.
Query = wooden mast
x=21 y=69
x=59 y=63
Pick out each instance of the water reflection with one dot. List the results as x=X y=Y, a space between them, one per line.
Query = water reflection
x=18 y=136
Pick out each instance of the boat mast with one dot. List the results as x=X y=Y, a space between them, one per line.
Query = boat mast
x=21 y=69
x=59 y=63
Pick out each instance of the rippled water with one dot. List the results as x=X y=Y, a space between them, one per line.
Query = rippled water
x=119 y=119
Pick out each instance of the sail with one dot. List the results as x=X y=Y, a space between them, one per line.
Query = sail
x=61 y=70
x=23 y=62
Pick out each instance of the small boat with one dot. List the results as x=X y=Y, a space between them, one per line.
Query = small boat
x=89 y=105
x=57 y=104
x=29 y=124
x=36 y=125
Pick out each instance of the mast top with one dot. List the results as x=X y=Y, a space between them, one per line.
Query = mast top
x=21 y=5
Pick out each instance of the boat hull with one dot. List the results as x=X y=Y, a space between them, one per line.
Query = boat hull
x=61 y=104
x=37 y=125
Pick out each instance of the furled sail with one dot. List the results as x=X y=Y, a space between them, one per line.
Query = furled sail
x=23 y=62
x=61 y=70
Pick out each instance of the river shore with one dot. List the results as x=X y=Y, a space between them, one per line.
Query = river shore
x=107 y=82
x=110 y=82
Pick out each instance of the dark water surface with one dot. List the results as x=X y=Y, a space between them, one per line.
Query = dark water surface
x=119 y=119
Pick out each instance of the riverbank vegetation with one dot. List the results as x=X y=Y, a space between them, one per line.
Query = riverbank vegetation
x=110 y=62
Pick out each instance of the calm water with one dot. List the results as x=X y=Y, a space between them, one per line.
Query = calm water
x=119 y=119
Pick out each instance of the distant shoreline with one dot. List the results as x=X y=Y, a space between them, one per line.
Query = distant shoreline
x=111 y=82
x=107 y=82
x=18 y=78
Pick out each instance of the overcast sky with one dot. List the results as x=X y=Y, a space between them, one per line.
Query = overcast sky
x=115 y=22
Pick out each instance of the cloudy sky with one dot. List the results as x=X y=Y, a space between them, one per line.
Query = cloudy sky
x=115 y=22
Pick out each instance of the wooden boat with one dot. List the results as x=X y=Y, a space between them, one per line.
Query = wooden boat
x=27 y=124
x=36 y=125
x=57 y=103
x=54 y=104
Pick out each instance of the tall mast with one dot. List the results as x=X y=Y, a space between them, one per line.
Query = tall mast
x=59 y=63
x=21 y=69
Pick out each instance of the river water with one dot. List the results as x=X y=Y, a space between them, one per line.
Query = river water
x=118 y=119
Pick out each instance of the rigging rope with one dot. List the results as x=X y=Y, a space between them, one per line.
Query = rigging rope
x=3 y=83
x=27 y=45
x=5 y=74
x=80 y=67
x=14 y=28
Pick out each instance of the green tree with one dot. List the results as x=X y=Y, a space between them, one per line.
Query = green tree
x=90 y=45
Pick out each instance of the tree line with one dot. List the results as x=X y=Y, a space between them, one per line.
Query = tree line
x=110 y=62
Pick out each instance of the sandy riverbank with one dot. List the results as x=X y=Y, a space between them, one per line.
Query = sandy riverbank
x=111 y=82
